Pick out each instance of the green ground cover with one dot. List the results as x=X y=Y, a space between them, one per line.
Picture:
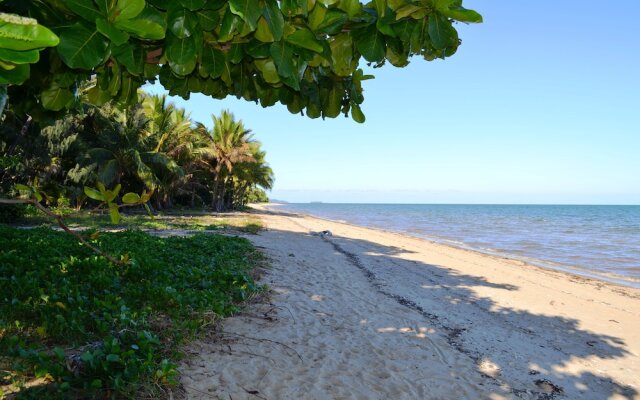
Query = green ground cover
x=73 y=325
x=190 y=219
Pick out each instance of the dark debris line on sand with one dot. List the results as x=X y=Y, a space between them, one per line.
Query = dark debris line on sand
x=453 y=335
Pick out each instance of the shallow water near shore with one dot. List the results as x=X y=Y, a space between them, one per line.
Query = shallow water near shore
x=596 y=241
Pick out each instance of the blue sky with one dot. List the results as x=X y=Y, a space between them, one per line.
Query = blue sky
x=541 y=104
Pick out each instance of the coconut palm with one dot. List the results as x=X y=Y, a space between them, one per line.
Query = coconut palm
x=230 y=145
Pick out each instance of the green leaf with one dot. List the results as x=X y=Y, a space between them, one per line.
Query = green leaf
x=16 y=76
x=81 y=47
x=127 y=9
x=114 y=213
x=112 y=194
x=20 y=33
x=441 y=32
x=274 y=19
x=84 y=8
x=149 y=24
x=133 y=58
x=351 y=7
x=193 y=5
x=131 y=198
x=333 y=22
x=56 y=98
x=116 y=36
x=407 y=10
x=19 y=57
x=462 y=14
x=229 y=27
x=59 y=353
x=213 y=61
x=371 y=44
x=93 y=194
x=283 y=57
x=248 y=10
x=356 y=114
x=23 y=188
x=268 y=69
x=263 y=32
x=182 y=23
x=182 y=56
x=306 y=39
x=342 y=55
x=208 y=19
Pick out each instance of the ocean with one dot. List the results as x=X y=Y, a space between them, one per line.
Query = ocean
x=601 y=242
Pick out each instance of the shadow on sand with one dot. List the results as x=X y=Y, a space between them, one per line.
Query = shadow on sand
x=533 y=353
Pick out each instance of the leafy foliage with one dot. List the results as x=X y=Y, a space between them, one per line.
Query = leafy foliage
x=91 y=328
x=304 y=54
x=152 y=150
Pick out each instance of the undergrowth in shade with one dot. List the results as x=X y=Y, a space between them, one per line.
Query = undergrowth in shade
x=82 y=327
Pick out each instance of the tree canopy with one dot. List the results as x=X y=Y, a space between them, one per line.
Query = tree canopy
x=305 y=54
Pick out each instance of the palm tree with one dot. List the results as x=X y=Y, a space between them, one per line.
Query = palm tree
x=230 y=145
x=251 y=174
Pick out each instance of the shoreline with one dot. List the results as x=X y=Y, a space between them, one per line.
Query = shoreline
x=364 y=313
x=575 y=271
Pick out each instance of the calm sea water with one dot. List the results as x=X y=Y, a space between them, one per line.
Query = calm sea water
x=597 y=241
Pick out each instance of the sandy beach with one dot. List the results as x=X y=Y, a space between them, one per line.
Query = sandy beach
x=366 y=314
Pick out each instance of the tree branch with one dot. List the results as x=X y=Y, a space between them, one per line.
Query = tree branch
x=60 y=220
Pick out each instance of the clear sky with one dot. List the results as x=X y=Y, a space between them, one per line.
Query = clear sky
x=541 y=104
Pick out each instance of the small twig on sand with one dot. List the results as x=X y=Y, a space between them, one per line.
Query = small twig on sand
x=287 y=308
x=266 y=340
x=254 y=393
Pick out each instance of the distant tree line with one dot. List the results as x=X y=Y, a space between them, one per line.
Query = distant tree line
x=151 y=146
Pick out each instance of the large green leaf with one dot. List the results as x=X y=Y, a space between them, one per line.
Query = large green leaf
x=19 y=57
x=81 y=47
x=333 y=22
x=132 y=57
x=116 y=36
x=213 y=61
x=193 y=5
x=229 y=27
x=149 y=24
x=16 y=76
x=263 y=32
x=208 y=19
x=182 y=22
x=56 y=98
x=114 y=213
x=282 y=54
x=20 y=33
x=342 y=55
x=356 y=114
x=441 y=32
x=306 y=39
x=371 y=44
x=462 y=14
x=351 y=7
x=84 y=8
x=93 y=194
x=268 y=69
x=274 y=19
x=248 y=10
x=182 y=56
x=131 y=198
x=127 y=9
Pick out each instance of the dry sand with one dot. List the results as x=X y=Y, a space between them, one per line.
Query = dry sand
x=367 y=314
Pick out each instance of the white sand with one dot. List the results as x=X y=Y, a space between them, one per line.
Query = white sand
x=366 y=314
